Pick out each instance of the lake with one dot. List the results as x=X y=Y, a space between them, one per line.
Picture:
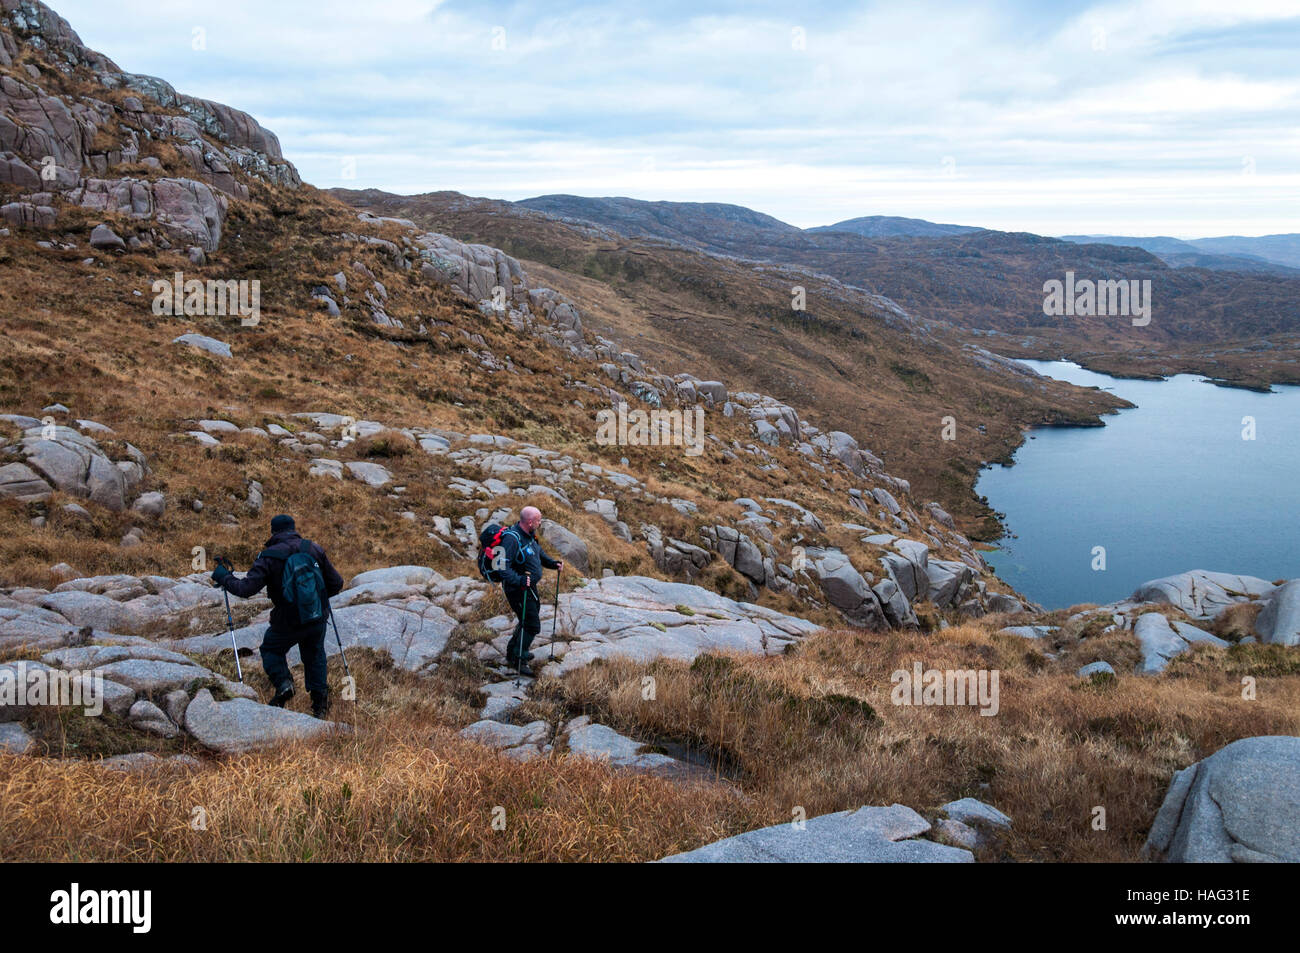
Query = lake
x=1168 y=486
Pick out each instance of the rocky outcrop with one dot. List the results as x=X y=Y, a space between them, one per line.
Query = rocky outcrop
x=638 y=618
x=1161 y=640
x=867 y=835
x=1239 y=805
x=1201 y=594
x=70 y=150
x=845 y=588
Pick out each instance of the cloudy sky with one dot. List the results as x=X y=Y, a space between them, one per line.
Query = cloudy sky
x=1170 y=117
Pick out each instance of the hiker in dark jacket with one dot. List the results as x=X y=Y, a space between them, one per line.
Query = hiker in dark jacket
x=524 y=561
x=285 y=631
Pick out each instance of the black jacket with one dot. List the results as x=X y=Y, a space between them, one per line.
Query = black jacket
x=268 y=569
x=527 y=561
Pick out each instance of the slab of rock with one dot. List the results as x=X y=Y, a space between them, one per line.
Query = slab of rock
x=1160 y=641
x=602 y=743
x=104 y=238
x=958 y=834
x=845 y=588
x=640 y=618
x=1095 y=668
x=867 y=835
x=1279 y=621
x=241 y=724
x=19 y=482
x=1241 y=804
x=1201 y=594
x=148 y=717
x=143 y=675
x=566 y=545
x=15 y=739
x=75 y=464
x=204 y=343
x=414 y=631
x=1028 y=631
x=522 y=742
x=371 y=474
x=970 y=811
x=502 y=699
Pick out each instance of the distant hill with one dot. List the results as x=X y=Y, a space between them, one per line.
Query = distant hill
x=1282 y=249
x=1274 y=254
x=715 y=226
x=891 y=226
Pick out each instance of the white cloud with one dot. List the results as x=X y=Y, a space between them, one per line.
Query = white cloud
x=1115 y=117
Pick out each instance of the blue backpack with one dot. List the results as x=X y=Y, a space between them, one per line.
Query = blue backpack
x=303 y=585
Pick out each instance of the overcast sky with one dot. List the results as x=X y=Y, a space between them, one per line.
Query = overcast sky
x=1169 y=117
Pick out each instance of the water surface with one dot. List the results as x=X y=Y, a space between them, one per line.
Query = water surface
x=1166 y=487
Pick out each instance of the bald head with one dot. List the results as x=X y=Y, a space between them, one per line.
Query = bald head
x=530 y=517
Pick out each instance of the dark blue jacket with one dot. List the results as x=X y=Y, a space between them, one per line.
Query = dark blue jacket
x=524 y=557
x=267 y=571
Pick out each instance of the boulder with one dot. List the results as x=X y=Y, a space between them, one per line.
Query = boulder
x=147 y=716
x=144 y=675
x=566 y=545
x=1241 y=804
x=845 y=588
x=150 y=504
x=74 y=463
x=242 y=725
x=204 y=343
x=1158 y=641
x=105 y=239
x=867 y=835
x=601 y=743
x=371 y=474
x=19 y=482
x=1095 y=668
x=14 y=738
x=972 y=812
x=1279 y=621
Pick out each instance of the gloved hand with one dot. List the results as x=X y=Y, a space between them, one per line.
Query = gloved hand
x=219 y=574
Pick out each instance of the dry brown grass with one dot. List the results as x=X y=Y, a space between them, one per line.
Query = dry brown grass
x=402 y=791
x=798 y=731
x=814 y=729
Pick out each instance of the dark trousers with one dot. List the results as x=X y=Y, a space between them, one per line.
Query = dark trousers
x=527 y=607
x=311 y=645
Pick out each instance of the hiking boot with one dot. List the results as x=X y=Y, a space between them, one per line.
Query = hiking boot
x=282 y=695
x=320 y=704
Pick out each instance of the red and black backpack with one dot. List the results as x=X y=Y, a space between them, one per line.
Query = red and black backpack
x=492 y=554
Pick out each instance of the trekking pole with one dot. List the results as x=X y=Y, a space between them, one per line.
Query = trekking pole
x=523 y=624
x=343 y=655
x=555 y=613
x=230 y=621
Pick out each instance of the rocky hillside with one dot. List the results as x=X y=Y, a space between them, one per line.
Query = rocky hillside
x=738 y=603
x=863 y=365
x=1238 y=325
